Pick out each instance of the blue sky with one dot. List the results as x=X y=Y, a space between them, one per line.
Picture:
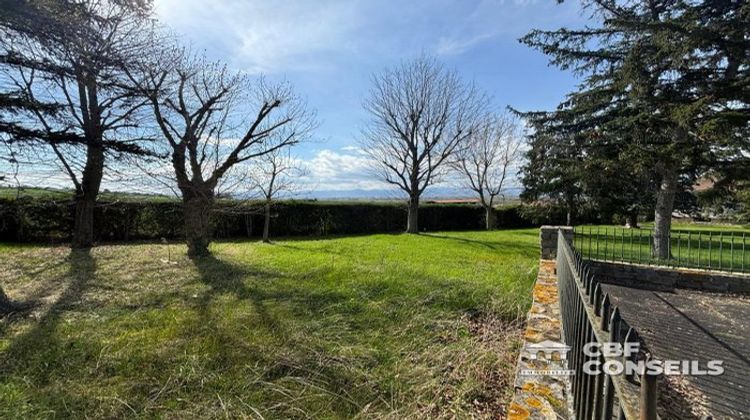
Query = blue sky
x=328 y=49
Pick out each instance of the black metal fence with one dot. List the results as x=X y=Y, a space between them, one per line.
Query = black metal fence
x=589 y=315
x=711 y=250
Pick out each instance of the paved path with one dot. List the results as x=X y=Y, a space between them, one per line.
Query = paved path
x=690 y=325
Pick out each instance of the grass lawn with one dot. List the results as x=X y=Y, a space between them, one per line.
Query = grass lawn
x=704 y=226
x=697 y=245
x=380 y=326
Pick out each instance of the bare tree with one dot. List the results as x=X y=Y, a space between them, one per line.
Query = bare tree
x=63 y=63
x=491 y=152
x=276 y=175
x=212 y=120
x=421 y=114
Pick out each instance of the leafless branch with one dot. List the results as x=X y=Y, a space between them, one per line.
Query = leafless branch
x=491 y=152
x=421 y=114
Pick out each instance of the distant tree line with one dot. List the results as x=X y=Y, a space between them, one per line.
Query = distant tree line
x=98 y=89
x=46 y=220
x=664 y=100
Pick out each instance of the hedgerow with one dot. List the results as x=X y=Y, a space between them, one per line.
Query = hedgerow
x=36 y=220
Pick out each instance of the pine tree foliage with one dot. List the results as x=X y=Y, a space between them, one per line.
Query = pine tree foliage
x=664 y=97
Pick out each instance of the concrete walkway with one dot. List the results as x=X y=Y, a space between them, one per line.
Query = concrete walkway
x=692 y=325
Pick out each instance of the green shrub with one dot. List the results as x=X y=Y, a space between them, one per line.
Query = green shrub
x=542 y=212
x=35 y=220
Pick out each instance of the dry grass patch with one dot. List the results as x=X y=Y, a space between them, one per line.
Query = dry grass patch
x=381 y=326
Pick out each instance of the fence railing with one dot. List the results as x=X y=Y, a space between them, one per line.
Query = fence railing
x=589 y=315
x=722 y=251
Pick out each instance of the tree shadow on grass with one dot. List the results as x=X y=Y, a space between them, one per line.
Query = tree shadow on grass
x=10 y=308
x=307 y=238
x=262 y=288
x=504 y=245
x=225 y=278
x=13 y=310
x=287 y=359
x=487 y=244
x=29 y=348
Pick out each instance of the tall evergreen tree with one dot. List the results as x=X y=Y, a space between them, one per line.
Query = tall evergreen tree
x=665 y=82
x=617 y=184
x=552 y=169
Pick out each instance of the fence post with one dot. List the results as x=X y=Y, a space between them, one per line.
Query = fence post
x=648 y=394
x=605 y=313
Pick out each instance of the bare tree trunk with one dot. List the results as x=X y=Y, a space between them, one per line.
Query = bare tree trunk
x=632 y=220
x=249 y=225
x=489 y=217
x=571 y=209
x=83 y=227
x=663 y=213
x=85 y=199
x=412 y=224
x=197 y=209
x=267 y=222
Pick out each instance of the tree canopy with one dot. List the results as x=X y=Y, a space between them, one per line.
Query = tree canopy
x=66 y=96
x=663 y=98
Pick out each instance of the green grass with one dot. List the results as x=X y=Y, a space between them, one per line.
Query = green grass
x=704 y=226
x=380 y=326
x=704 y=246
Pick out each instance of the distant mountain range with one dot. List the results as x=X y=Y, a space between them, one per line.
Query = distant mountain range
x=432 y=193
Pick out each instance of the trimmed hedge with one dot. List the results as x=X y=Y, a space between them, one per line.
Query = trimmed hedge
x=35 y=220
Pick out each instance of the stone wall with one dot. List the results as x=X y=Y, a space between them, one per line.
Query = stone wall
x=537 y=395
x=548 y=240
x=669 y=278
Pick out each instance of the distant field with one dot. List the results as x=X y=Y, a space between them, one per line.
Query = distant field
x=378 y=326
x=55 y=194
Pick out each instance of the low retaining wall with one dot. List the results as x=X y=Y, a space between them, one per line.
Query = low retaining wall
x=540 y=395
x=669 y=278
x=548 y=240
x=536 y=395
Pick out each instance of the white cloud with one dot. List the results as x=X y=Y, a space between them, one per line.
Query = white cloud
x=346 y=170
x=330 y=170
x=491 y=19
x=264 y=36
x=353 y=149
x=455 y=46
x=301 y=35
x=36 y=177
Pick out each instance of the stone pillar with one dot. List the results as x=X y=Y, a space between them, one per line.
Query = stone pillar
x=548 y=240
